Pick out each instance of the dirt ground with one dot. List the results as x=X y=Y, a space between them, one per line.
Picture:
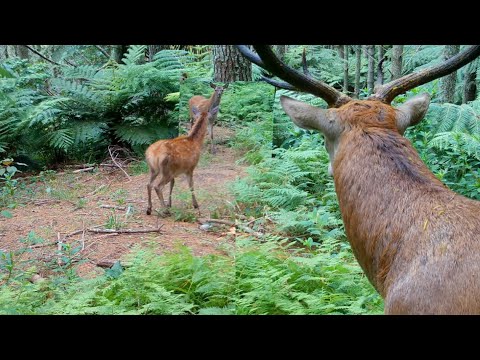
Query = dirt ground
x=70 y=202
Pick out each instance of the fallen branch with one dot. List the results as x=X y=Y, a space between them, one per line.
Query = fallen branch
x=124 y=231
x=83 y=170
x=115 y=162
x=113 y=207
x=231 y=223
x=107 y=264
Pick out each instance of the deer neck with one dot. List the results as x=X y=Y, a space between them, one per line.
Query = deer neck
x=199 y=129
x=214 y=100
x=382 y=186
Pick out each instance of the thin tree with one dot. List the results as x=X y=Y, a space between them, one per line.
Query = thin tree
x=358 y=69
x=371 y=68
x=22 y=52
x=153 y=49
x=470 y=82
x=397 y=61
x=447 y=83
x=345 y=69
x=381 y=59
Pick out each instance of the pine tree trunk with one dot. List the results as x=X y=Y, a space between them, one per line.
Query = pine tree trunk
x=447 y=83
x=22 y=52
x=229 y=65
x=470 y=82
x=117 y=52
x=381 y=54
x=280 y=50
x=358 y=68
x=397 y=61
x=345 y=69
x=371 y=68
x=153 y=49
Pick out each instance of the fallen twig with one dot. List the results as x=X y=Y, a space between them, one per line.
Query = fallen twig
x=115 y=162
x=124 y=231
x=107 y=264
x=113 y=207
x=231 y=223
x=83 y=170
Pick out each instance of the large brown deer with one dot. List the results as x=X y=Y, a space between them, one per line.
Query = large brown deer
x=171 y=158
x=417 y=241
x=204 y=104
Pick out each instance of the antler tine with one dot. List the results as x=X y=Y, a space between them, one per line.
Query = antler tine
x=389 y=91
x=294 y=79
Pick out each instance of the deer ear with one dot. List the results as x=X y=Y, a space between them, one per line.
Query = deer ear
x=195 y=111
x=312 y=118
x=214 y=111
x=412 y=112
x=212 y=85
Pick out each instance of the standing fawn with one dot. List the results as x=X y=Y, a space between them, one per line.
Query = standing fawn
x=417 y=241
x=171 y=158
x=204 y=105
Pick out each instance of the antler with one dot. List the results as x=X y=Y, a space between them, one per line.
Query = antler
x=389 y=91
x=295 y=80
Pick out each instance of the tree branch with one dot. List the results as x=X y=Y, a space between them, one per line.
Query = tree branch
x=102 y=51
x=42 y=56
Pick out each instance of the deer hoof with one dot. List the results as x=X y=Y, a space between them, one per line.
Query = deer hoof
x=149 y=211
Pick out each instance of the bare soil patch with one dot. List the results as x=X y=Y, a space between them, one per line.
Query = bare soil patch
x=73 y=201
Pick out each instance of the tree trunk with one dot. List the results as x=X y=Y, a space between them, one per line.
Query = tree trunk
x=153 y=49
x=371 y=68
x=117 y=52
x=345 y=69
x=381 y=54
x=448 y=82
x=358 y=69
x=22 y=52
x=280 y=50
x=229 y=65
x=397 y=61
x=470 y=82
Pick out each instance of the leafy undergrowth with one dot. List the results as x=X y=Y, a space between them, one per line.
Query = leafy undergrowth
x=267 y=278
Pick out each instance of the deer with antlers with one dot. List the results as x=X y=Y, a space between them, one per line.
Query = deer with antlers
x=417 y=241
x=174 y=157
x=204 y=104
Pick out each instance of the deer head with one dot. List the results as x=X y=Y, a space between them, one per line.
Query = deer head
x=330 y=122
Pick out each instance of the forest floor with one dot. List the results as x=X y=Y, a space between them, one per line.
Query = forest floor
x=54 y=206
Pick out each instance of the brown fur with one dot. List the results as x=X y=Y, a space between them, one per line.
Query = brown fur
x=417 y=241
x=204 y=105
x=171 y=158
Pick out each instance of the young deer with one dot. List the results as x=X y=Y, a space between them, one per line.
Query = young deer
x=417 y=241
x=171 y=158
x=204 y=104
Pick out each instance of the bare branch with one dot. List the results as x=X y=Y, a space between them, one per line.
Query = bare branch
x=42 y=56
x=102 y=51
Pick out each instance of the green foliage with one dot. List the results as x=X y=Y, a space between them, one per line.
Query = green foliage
x=270 y=278
x=285 y=133
x=448 y=140
x=80 y=110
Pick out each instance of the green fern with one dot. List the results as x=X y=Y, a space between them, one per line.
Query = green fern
x=134 y=54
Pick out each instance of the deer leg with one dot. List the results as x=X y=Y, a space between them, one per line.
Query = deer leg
x=212 y=146
x=159 y=189
x=169 y=204
x=153 y=175
x=190 y=185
